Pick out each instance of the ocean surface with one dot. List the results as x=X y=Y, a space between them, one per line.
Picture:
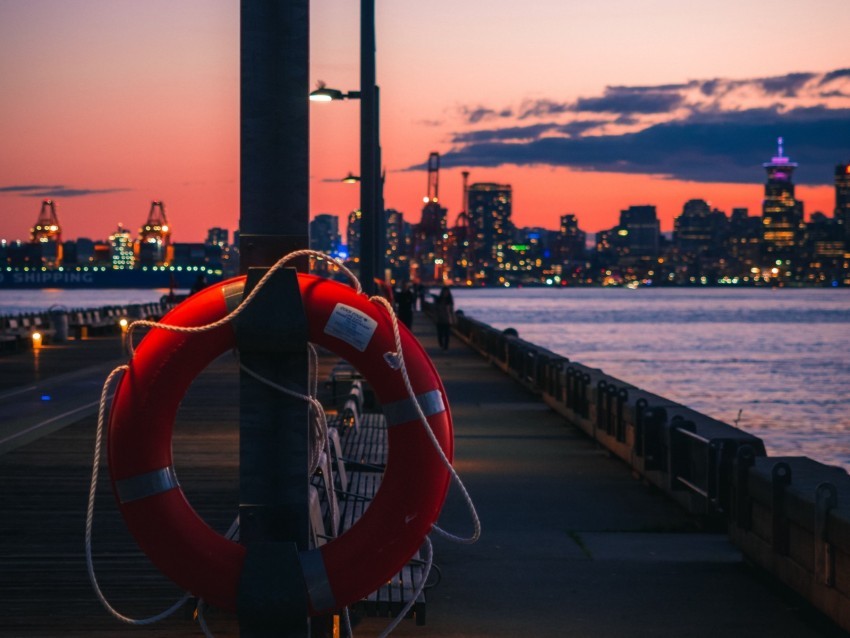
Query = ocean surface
x=776 y=362
x=22 y=301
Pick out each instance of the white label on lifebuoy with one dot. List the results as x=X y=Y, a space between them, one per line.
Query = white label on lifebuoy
x=351 y=325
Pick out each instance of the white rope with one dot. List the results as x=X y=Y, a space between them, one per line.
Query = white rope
x=318 y=433
x=245 y=301
x=429 y=561
x=398 y=357
x=98 y=441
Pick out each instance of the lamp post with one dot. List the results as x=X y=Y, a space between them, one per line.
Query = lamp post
x=371 y=196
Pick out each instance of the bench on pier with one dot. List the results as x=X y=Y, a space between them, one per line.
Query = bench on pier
x=346 y=484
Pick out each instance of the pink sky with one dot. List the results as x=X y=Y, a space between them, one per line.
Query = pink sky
x=117 y=102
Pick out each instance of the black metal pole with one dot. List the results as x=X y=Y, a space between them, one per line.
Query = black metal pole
x=368 y=147
x=271 y=333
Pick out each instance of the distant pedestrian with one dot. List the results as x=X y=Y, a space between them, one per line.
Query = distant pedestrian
x=405 y=300
x=419 y=289
x=445 y=311
x=199 y=285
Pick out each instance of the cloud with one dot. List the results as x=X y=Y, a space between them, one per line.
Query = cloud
x=835 y=75
x=26 y=188
x=624 y=101
x=480 y=114
x=31 y=190
x=542 y=108
x=727 y=147
x=705 y=130
x=504 y=134
x=786 y=85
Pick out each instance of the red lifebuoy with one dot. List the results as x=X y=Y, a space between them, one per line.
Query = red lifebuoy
x=200 y=560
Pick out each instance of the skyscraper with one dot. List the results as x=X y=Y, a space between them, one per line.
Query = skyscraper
x=640 y=230
x=842 y=200
x=121 y=248
x=324 y=234
x=490 y=218
x=782 y=215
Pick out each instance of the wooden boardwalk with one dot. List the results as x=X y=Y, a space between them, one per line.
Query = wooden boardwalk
x=572 y=545
x=44 y=588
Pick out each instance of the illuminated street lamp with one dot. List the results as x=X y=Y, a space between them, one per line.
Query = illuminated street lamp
x=324 y=94
x=350 y=179
x=371 y=184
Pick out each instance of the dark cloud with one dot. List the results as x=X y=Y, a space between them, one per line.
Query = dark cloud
x=42 y=191
x=481 y=114
x=578 y=127
x=727 y=147
x=542 y=108
x=517 y=133
x=626 y=101
x=26 y=188
x=834 y=75
x=785 y=85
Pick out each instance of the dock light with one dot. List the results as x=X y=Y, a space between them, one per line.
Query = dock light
x=36 y=340
x=123 y=323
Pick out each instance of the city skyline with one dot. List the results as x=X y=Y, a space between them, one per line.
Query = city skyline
x=582 y=110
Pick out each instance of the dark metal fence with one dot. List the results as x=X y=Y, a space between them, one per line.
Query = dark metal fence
x=791 y=515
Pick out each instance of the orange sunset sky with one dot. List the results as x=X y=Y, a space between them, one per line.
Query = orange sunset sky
x=583 y=107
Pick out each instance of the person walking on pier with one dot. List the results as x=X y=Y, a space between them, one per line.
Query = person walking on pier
x=445 y=311
x=405 y=300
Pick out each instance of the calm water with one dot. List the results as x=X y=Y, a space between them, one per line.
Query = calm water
x=775 y=360
x=17 y=301
x=779 y=358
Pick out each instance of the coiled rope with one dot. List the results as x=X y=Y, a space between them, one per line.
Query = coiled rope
x=318 y=433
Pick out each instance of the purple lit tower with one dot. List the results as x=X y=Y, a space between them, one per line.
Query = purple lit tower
x=782 y=215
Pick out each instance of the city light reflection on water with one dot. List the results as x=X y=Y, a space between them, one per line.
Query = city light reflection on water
x=774 y=360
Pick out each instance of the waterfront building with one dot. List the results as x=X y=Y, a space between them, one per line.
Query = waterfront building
x=47 y=235
x=490 y=207
x=352 y=234
x=398 y=241
x=743 y=245
x=461 y=262
x=782 y=219
x=217 y=237
x=121 y=249
x=153 y=247
x=842 y=200
x=324 y=234
x=699 y=235
x=429 y=243
x=823 y=251
x=570 y=243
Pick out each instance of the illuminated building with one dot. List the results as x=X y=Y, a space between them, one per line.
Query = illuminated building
x=782 y=217
x=154 y=245
x=842 y=200
x=743 y=244
x=121 y=249
x=217 y=237
x=352 y=234
x=430 y=234
x=324 y=234
x=398 y=239
x=823 y=251
x=699 y=234
x=639 y=231
x=46 y=235
x=490 y=207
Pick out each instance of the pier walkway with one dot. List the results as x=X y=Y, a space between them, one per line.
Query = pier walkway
x=572 y=544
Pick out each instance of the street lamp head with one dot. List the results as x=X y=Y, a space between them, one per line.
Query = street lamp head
x=350 y=179
x=324 y=94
